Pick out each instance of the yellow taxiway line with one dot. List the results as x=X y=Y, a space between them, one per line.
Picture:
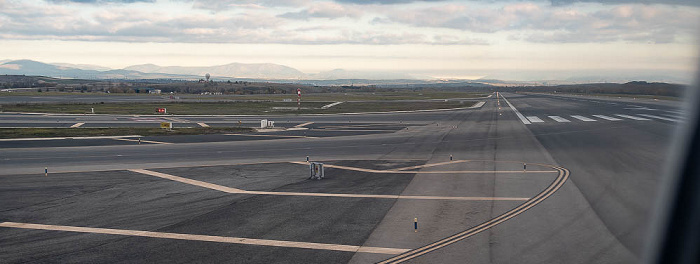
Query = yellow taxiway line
x=343 y=195
x=304 y=124
x=219 y=239
x=427 y=172
x=144 y=141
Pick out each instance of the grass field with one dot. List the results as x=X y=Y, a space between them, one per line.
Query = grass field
x=91 y=132
x=309 y=97
x=233 y=108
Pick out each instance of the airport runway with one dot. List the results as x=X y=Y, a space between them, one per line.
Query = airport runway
x=592 y=168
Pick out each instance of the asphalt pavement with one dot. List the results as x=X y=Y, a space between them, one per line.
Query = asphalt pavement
x=615 y=151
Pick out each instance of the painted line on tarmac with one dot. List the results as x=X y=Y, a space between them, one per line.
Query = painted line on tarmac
x=61 y=138
x=259 y=135
x=206 y=238
x=341 y=195
x=189 y=181
x=425 y=172
x=303 y=125
x=661 y=118
x=144 y=141
x=77 y=125
x=551 y=189
x=522 y=118
x=430 y=165
x=202 y=124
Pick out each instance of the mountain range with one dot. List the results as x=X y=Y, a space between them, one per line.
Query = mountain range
x=281 y=73
x=259 y=71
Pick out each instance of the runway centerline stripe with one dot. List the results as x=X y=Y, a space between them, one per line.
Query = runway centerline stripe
x=345 y=195
x=206 y=238
x=77 y=125
x=522 y=118
x=559 y=119
x=633 y=117
x=661 y=118
x=535 y=119
x=609 y=118
x=583 y=118
x=551 y=189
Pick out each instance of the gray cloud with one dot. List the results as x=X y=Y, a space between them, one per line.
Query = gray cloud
x=325 y=10
x=638 y=23
x=100 y=1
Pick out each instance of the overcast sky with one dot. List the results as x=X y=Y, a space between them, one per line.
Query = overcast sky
x=437 y=38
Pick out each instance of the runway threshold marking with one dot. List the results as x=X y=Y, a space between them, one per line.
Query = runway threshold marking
x=551 y=189
x=522 y=118
x=206 y=238
x=77 y=125
x=609 y=118
x=633 y=117
x=661 y=118
x=345 y=195
x=144 y=141
x=583 y=118
x=304 y=124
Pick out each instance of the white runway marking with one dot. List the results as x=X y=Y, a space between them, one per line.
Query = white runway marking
x=522 y=118
x=661 y=118
x=535 y=119
x=633 y=117
x=202 y=124
x=206 y=238
x=607 y=117
x=682 y=118
x=559 y=119
x=583 y=118
x=77 y=125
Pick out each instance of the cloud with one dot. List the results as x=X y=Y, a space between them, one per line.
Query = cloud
x=435 y=23
x=223 y=5
x=636 y=23
x=324 y=10
x=100 y=1
x=615 y=2
x=385 y=2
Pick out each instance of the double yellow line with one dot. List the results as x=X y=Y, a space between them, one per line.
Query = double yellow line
x=551 y=189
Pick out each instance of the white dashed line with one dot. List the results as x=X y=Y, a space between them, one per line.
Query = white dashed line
x=661 y=118
x=609 y=118
x=559 y=119
x=535 y=119
x=633 y=117
x=583 y=118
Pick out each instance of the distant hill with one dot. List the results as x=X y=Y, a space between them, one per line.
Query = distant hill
x=30 y=67
x=232 y=70
x=83 y=66
x=341 y=74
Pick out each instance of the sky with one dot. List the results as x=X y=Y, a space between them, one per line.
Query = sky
x=512 y=39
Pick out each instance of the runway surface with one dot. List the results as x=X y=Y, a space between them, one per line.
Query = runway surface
x=526 y=178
